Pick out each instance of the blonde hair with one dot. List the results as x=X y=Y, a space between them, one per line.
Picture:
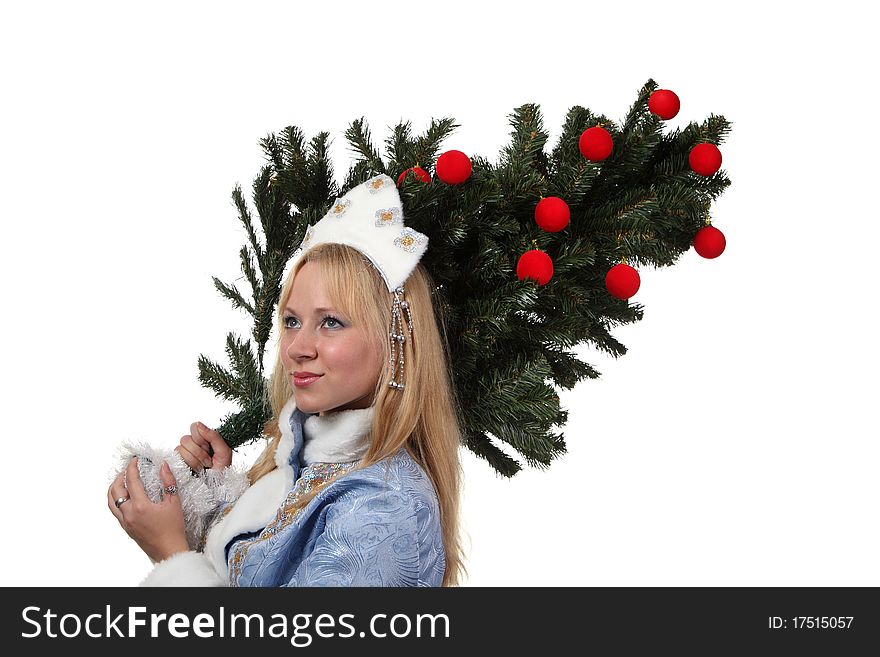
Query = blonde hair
x=423 y=417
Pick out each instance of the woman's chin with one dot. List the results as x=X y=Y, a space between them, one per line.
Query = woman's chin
x=306 y=402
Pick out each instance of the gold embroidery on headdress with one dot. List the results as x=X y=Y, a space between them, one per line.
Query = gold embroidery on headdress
x=388 y=216
x=340 y=207
x=409 y=239
x=378 y=182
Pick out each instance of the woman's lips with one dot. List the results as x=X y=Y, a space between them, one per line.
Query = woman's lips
x=303 y=381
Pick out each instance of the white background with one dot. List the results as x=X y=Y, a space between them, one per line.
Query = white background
x=734 y=444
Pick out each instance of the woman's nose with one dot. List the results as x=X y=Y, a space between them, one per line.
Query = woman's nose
x=303 y=344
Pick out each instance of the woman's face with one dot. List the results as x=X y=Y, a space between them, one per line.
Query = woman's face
x=320 y=339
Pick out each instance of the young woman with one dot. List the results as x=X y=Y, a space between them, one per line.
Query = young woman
x=360 y=483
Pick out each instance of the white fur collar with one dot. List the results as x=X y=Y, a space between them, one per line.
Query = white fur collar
x=282 y=453
x=336 y=437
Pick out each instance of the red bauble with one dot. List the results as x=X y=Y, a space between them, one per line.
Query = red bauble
x=552 y=214
x=595 y=144
x=418 y=172
x=535 y=264
x=705 y=159
x=664 y=103
x=709 y=242
x=453 y=167
x=622 y=281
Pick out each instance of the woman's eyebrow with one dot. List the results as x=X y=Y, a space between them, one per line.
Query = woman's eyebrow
x=317 y=310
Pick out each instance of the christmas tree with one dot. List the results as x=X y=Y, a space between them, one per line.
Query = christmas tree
x=531 y=256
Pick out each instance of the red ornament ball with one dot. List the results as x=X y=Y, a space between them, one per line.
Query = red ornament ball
x=535 y=264
x=418 y=172
x=705 y=159
x=595 y=144
x=552 y=214
x=453 y=167
x=709 y=242
x=622 y=281
x=664 y=103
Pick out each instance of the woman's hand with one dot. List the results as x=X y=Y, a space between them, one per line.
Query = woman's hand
x=193 y=449
x=157 y=527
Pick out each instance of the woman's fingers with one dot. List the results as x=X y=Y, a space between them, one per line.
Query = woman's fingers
x=204 y=448
x=133 y=482
x=222 y=452
x=197 y=436
x=117 y=492
x=194 y=463
x=169 y=483
x=199 y=457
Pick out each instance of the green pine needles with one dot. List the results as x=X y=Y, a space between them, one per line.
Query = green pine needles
x=510 y=340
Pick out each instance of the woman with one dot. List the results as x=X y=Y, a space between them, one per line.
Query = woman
x=360 y=483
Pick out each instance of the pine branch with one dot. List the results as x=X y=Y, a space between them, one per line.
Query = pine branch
x=218 y=379
x=232 y=294
x=247 y=267
x=528 y=140
x=244 y=216
x=399 y=148
x=427 y=145
x=243 y=362
x=358 y=135
x=480 y=445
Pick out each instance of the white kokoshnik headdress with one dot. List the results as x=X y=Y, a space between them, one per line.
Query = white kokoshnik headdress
x=369 y=218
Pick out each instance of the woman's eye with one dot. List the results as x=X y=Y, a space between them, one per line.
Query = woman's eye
x=328 y=318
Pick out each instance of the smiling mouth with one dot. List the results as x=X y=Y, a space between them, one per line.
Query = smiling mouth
x=306 y=380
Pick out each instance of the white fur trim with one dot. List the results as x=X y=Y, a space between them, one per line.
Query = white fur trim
x=339 y=437
x=282 y=454
x=253 y=511
x=184 y=569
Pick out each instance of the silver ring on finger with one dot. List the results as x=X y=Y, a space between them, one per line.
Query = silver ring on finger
x=120 y=501
x=171 y=490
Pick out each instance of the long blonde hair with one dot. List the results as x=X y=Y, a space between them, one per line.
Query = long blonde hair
x=423 y=417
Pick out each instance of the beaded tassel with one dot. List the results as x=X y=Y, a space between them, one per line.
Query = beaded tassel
x=398 y=336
